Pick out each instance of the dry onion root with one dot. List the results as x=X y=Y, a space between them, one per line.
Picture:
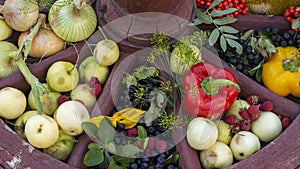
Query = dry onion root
x=72 y=20
x=20 y=15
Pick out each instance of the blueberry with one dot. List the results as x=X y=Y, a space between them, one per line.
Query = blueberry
x=144 y=165
x=239 y=67
x=283 y=43
x=286 y=36
x=232 y=60
x=291 y=32
x=268 y=29
x=278 y=39
x=249 y=49
x=275 y=30
x=150 y=129
x=256 y=61
x=273 y=37
x=245 y=62
x=241 y=41
x=170 y=166
x=133 y=165
x=159 y=166
x=291 y=42
x=298 y=41
x=250 y=56
x=120 y=126
x=276 y=44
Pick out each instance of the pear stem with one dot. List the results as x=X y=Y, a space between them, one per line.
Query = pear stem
x=103 y=34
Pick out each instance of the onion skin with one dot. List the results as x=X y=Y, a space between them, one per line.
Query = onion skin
x=70 y=22
x=20 y=15
x=46 y=43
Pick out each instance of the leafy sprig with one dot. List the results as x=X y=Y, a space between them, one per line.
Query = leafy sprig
x=222 y=32
x=296 y=23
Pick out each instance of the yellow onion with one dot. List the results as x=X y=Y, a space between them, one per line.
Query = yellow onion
x=5 y=30
x=45 y=43
x=20 y=15
x=72 y=20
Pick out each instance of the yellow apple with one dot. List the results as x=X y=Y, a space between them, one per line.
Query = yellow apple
x=41 y=131
x=106 y=52
x=21 y=121
x=70 y=115
x=5 y=30
x=89 y=68
x=12 y=103
x=62 y=76
x=82 y=92
x=8 y=64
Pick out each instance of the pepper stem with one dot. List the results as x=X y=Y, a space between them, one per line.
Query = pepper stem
x=211 y=86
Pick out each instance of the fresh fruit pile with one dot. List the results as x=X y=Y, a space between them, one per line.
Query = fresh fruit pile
x=225 y=4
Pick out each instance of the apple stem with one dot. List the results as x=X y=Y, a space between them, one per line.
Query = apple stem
x=103 y=34
x=37 y=88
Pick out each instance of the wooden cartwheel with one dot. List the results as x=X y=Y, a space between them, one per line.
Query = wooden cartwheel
x=283 y=152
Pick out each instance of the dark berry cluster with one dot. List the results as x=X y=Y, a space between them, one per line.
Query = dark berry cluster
x=287 y=38
x=225 y=4
x=139 y=94
x=242 y=62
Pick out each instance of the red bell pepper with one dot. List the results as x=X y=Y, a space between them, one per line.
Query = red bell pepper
x=208 y=90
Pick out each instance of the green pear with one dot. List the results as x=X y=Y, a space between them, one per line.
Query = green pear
x=217 y=156
x=82 y=92
x=21 y=121
x=8 y=65
x=62 y=148
x=224 y=132
x=89 y=68
x=49 y=101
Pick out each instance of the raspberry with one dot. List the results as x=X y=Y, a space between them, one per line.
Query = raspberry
x=230 y=119
x=253 y=112
x=280 y=117
x=266 y=106
x=96 y=90
x=132 y=132
x=93 y=81
x=245 y=125
x=161 y=146
x=62 y=99
x=253 y=99
x=285 y=122
x=151 y=143
x=235 y=128
x=244 y=114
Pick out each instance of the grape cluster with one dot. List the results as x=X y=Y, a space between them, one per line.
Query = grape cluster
x=225 y=4
x=288 y=38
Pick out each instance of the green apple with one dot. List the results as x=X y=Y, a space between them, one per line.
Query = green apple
x=62 y=76
x=106 y=52
x=41 y=131
x=8 y=64
x=217 y=156
x=70 y=115
x=267 y=127
x=179 y=62
x=49 y=101
x=224 y=132
x=244 y=144
x=21 y=121
x=12 y=103
x=89 y=68
x=82 y=92
x=62 y=148
x=237 y=105
x=202 y=133
x=5 y=30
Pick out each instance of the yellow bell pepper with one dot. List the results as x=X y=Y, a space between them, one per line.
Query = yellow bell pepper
x=281 y=74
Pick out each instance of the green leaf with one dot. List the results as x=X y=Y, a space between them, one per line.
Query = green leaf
x=89 y=128
x=107 y=158
x=195 y=22
x=259 y=74
x=228 y=29
x=216 y=13
x=128 y=150
x=296 y=23
x=223 y=43
x=106 y=131
x=214 y=3
x=224 y=21
x=93 y=157
x=236 y=45
x=202 y=16
x=230 y=36
x=93 y=146
x=213 y=37
x=247 y=34
x=142 y=133
x=173 y=159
